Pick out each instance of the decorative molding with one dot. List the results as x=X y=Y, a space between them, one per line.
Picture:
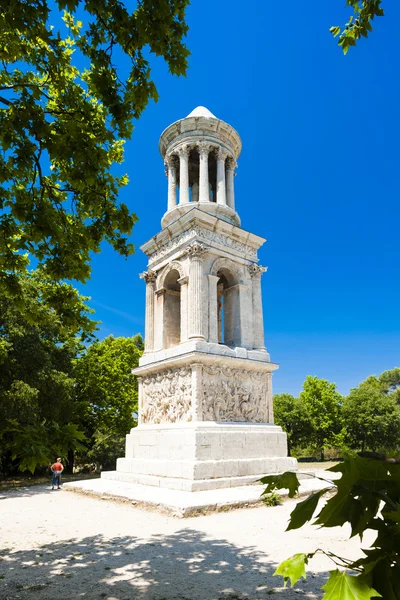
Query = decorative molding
x=167 y=396
x=196 y=250
x=148 y=276
x=170 y=162
x=232 y=395
x=174 y=265
x=207 y=235
x=230 y=265
x=231 y=163
x=221 y=154
x=256 y=270
x=183 y=151
x=204 y=147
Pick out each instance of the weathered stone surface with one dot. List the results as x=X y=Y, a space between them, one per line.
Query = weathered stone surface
x=205 y=378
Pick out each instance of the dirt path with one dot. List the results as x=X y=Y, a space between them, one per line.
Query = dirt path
x=61 y=545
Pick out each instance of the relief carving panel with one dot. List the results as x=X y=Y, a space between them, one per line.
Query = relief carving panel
x=235 y=395
x=167 y=396
x=204 y=234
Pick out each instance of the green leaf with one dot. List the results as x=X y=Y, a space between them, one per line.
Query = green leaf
x=304 y=510
x=342 y=586
x=393 y=515
x=293 y=568
x=335 y=31
x=286 y=480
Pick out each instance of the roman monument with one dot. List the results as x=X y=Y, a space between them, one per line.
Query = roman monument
x=205 y=378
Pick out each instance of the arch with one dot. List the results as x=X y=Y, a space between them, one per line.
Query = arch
x=231 y=270
x=173 y=266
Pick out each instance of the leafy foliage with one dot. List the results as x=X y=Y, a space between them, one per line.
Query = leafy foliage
x=36 y=445
x=36 y=374
x=106 y=391
x=69 y=91
x=277 y=482
x=367 y=497
x=372 y=419
x=290 y=413
x=359 y=24
x=293 y=569
x=322 y=404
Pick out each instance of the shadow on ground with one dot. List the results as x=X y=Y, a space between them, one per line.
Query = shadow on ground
x=185 y=565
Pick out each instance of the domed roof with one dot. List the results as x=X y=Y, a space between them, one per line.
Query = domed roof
x=201 y=111
x=199 y=125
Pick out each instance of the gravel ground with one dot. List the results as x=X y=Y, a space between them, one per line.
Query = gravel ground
x=63 y=545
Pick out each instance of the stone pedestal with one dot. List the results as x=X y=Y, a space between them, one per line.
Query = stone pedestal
x=194 y=457
x=204 y=422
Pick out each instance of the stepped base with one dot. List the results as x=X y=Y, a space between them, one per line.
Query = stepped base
x=203 y=456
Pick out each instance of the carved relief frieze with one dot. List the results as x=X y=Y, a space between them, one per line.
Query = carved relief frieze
x=205 y=234
x=233 y=395
x=167 y=396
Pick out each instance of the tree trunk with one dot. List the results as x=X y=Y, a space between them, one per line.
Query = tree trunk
x=322 y=454
x=70 y=464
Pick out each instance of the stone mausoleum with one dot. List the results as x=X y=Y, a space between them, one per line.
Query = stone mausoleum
x=205 y=379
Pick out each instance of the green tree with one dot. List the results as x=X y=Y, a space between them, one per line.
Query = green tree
x=70 y=89
x=36 y=370
x=323 y=404
x=106 y=392
x=290 y=413
x=359 y=23
x=371 y=420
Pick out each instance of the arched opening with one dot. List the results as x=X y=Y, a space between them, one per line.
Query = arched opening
x=228 y=309
x=172 y=309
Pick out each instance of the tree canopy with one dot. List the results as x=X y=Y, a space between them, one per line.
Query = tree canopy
x=74 y=74
x=322 y=403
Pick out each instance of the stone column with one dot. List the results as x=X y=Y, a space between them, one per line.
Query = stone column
x=183 y=282
x=196 y=326
x=258 y=322
x=213 y=309
x=204 y=187
x=159 y=334
x=171 y=174
x=195 y=192
x=183 y=174
x=221 y=188
x=230 y=188
x=150 y=279
x=220 y=293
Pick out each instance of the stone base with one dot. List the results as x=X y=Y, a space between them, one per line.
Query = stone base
x=186 y=504
x=195 y=457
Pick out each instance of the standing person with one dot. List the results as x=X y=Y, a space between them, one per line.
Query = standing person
x=57 y=468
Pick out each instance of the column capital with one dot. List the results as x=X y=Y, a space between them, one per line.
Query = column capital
x=256 y=270
x=221 y=154
x=170 y=161
x=231 y=163
x=183 y=280
x=203 y=148
x=149 y=276
x=183 y=151
x=196 y=250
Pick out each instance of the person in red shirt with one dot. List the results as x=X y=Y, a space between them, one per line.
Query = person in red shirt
x=57 y=468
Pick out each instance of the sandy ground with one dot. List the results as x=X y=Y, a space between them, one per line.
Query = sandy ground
x=64 y=545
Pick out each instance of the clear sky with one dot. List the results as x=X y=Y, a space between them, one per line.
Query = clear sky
x=318 y=177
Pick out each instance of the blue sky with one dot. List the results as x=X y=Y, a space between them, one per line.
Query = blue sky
x=318 y=177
